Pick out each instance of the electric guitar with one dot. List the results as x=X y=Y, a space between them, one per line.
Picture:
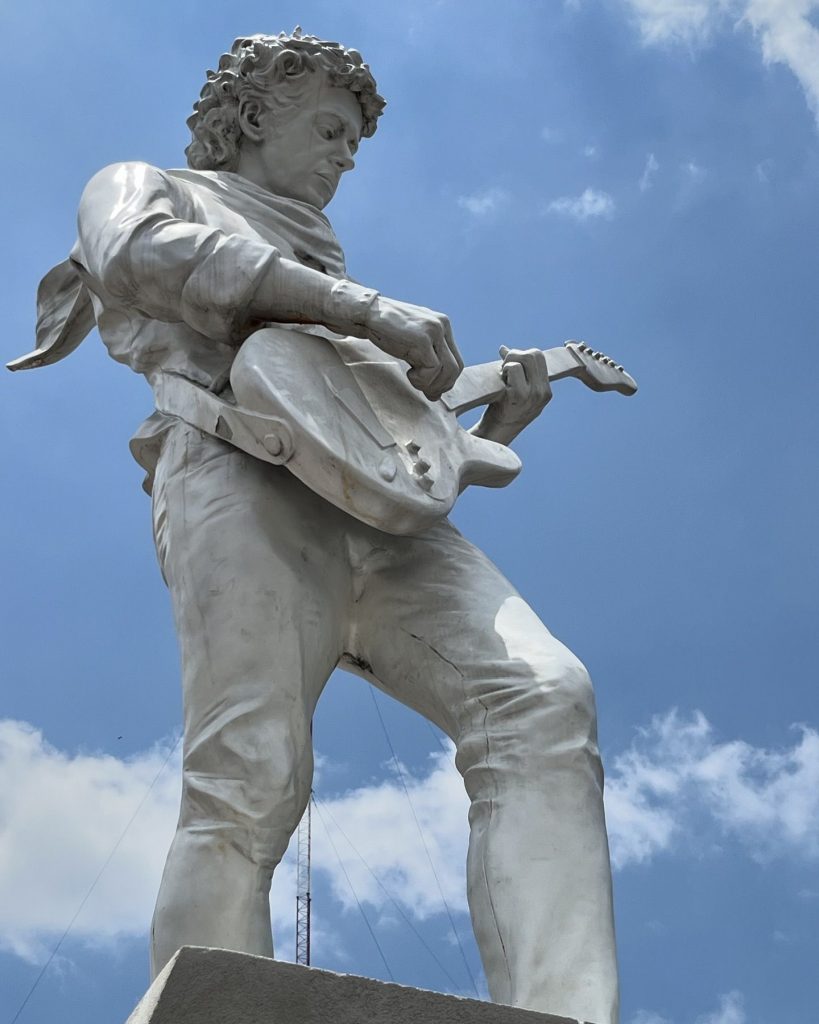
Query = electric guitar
x=357 y=432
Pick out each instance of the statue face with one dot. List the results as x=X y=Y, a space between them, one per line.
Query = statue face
x=304 y=156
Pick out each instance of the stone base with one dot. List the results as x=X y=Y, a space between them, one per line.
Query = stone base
x=216 y=986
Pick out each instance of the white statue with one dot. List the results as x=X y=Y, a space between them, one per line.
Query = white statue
x=301 y=479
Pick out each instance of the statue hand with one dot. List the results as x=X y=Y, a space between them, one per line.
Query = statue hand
x=420 y=336
x=527 y=393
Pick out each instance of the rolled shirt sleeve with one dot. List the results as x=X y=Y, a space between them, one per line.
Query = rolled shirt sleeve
x=139 y=243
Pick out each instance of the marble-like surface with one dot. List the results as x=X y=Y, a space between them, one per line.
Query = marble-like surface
x=280 y=572
x=214 y=986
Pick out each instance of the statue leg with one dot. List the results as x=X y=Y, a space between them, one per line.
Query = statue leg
x=259 y=593
x=444 y=632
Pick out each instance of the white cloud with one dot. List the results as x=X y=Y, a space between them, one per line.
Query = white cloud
x=788 y=37
x=650 y=169
x=662 y=21
x=480 y=204
x=590 y=203
x=646 y=1017
x=60 y=818
x=379 y=823
x=731 y=1011
x=591 y=151
x=61 y=815
x=677 y=779
x=783 y=28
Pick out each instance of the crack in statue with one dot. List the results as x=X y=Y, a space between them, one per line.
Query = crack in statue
x=274 y=585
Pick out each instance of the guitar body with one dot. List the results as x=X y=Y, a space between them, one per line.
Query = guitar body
x=356 y=432
x=344 y=419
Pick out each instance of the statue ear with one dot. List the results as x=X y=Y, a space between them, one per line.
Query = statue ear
x=251 y=115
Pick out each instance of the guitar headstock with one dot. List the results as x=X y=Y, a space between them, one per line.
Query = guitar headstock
x=598 y=371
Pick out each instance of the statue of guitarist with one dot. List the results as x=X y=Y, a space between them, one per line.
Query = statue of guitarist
x=273 y=586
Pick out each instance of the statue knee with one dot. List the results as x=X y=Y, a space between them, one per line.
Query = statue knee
x=249 y=786
x=255 y=819
x=571 y=699
x=531 y=720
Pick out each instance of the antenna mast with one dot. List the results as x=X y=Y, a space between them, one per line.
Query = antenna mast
x=303 y=873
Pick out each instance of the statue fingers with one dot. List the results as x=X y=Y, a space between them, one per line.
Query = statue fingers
x=450 y=363
x=514 y=376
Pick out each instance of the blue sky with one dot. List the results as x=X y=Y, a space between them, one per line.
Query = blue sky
x=643 y=174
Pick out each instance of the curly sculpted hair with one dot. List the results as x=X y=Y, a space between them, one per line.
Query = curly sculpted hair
x=273 y=70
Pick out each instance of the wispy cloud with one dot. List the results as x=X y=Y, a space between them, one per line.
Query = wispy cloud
x=481 y=204
x=694 y=172
x=650 y=169
x=647 y=1017
x=788 y=36
x=764 y=171
x=784 y=30
x=731 y=1010
x=677 y=778
x=591 y=151
x=589 y=204
x=661 y=21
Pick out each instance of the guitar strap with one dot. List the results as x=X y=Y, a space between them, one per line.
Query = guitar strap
x=264 y=437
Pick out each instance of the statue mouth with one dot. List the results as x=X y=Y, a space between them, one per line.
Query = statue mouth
x=329 y=181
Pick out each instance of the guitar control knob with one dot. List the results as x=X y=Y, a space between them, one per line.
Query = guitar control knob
x=272 y=444
x=278 y=443
x=387 y=468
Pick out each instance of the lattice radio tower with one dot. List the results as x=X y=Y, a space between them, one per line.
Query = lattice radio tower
x=303 y=872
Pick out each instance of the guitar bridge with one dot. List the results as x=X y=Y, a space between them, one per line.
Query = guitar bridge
x=420 y=466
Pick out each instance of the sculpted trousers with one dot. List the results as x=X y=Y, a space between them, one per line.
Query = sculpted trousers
x=272 y=587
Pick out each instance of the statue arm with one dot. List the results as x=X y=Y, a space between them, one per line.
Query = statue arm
x=138 y=243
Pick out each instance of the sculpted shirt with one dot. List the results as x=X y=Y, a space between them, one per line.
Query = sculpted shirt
x=169 y=261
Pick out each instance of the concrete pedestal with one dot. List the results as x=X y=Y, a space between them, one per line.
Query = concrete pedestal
x=216 y=986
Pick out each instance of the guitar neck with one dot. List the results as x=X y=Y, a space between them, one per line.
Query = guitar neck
x=482 y=383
